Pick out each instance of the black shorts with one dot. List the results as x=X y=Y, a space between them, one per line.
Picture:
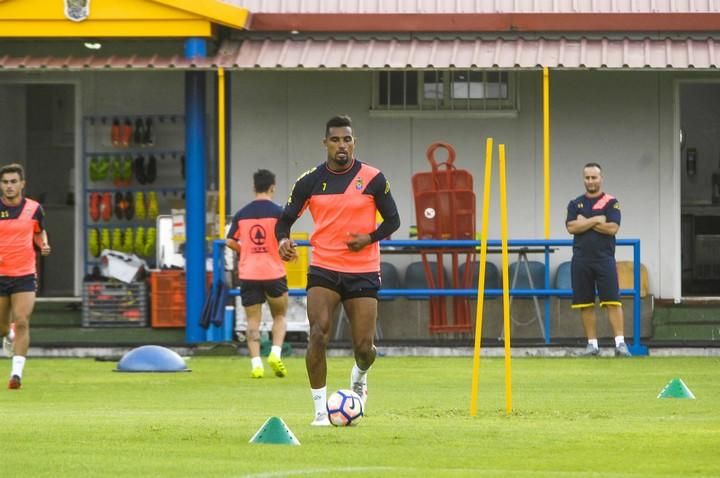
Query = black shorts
x=13 y=285
x=590 y=275
x=348 y=285
x=253 y=292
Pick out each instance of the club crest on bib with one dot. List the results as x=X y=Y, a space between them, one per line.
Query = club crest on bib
x=77 y=10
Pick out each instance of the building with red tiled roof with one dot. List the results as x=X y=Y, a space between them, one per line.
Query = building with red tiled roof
x=632 y=85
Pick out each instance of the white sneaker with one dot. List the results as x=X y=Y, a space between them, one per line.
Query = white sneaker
x=8 y=344
x=321 y=420
x=360 y=387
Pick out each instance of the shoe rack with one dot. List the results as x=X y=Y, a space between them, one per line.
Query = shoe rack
x=133 y=171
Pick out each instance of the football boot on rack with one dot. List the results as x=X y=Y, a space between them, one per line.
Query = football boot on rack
x=149 y=137
x=102 y=168
x=94 y=242
x=94 y=206
x=152 y=205
x=140 y=210
x=127 y=243
x=106 y=208
x=104 y=239
x=115 y=170
x=139 y=132
x=139 y=167
x=129 y=206
x=150 y=238
x=119 y=205
x=115 y=133
x=151 y=170
x=126 y=133
x=125 y=171
x=117 y=240
x=139 y=241
x=92 y=168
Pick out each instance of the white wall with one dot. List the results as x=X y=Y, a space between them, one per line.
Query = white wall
x=612 y=119
x=618 y=119
x=126 y=92
x=623 y=120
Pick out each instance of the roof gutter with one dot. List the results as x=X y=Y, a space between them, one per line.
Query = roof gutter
x=486 y=22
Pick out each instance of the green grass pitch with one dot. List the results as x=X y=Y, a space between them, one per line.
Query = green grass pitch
x=571 y=418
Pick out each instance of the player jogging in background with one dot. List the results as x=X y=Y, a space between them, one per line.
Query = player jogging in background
x=343 y=195
x=261 y=271
x=22 y=227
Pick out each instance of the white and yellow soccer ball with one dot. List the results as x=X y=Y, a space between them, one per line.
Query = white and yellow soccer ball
x=345 y=408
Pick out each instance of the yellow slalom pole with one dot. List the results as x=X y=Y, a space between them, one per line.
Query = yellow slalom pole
x=505 y=279
x=546 y=148
x=481 y=276
x=221 y=150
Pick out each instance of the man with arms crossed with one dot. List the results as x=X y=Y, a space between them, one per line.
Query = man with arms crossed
x=263 y=276
x=343 y=195
x=594 y=219
x=22 y=226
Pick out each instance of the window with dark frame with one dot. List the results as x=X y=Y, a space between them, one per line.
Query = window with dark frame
x=398 y=88
x=444 y=90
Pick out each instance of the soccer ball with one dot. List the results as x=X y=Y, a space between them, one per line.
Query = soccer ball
x=344 y=408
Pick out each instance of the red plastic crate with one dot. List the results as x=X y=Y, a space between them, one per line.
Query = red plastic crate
x=167 y=298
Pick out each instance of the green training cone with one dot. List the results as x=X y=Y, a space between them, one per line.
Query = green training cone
x=676 y=388
x=274 y=432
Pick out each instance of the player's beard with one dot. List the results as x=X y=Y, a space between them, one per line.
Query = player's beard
x=342 y=160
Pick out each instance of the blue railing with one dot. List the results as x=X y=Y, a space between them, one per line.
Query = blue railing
x=517 y=245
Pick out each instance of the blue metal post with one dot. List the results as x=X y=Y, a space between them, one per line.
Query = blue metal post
x=195 y=47
x=637 y=348
x=194 y=193
x=547 y=299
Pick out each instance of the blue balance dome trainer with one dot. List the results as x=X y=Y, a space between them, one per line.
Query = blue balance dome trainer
x=151 y=358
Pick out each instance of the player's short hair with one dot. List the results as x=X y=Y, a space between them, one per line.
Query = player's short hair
x=339 y=121
x=263 y=179
x=13 y=168
x=593 y=165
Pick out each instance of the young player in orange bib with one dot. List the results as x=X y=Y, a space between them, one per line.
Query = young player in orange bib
x=22 y=228
x=261 y=271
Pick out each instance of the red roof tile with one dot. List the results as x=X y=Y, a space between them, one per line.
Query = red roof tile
x=96 y=62
x=383 y=53
x=374 y=53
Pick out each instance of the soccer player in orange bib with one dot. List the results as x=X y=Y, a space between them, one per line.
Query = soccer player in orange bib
x=343 y=195
x=260 y=270
x=22 y=227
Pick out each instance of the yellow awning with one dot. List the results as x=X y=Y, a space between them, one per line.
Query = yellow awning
x=214 y=10
x=110 y=18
